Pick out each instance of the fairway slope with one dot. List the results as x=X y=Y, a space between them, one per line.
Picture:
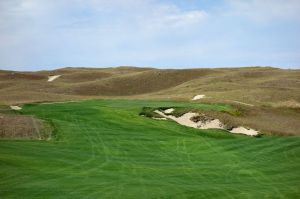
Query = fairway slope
x=105 y=149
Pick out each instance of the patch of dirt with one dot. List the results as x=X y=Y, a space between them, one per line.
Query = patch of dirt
x=23 y=127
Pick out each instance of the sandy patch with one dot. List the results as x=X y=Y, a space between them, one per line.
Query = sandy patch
x=16 y=108
x=183 y=120
x=159 y=118
x=52 y=78
x=243 y=130
x=186 y=120
x=197 y=97
x=213 y=124
x=170 y=110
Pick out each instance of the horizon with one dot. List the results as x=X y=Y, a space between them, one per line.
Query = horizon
x=150 y=67
x=166 y=34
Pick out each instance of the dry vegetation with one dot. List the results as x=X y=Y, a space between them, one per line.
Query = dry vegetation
x=275 y=93
x=267 y=120
x=23 y=127
x=254 y=85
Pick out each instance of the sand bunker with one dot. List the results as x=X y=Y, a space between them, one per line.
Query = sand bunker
x=159 y=118
x=187 y=120
x=213 y=124
x=183 y=120
x=243 y=130
x=52 y=78
x=170 y=110
x=16 y=108
x=197 y=97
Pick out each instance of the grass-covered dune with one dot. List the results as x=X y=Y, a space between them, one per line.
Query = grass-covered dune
x=104 y=149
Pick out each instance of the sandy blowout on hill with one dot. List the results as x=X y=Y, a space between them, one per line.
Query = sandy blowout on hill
x=197 y=97
x=16 y=108
x=186 y=120
x=52 y=78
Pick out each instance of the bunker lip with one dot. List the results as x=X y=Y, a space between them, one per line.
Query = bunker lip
x=186 y=120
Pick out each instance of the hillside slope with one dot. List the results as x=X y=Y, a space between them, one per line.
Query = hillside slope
x=250 y=85
x=269 y=98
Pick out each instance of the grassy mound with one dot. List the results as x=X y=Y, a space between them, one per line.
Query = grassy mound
x=104 y=149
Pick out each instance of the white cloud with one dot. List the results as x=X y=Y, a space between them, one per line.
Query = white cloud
x=266 y=10
x=172 y=17
x=143 y=14
x=139 y=32
x=34 y=30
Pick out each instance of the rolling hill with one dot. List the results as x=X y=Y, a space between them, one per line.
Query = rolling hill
x=268 y=97
x=253 y=85
x=93 y=133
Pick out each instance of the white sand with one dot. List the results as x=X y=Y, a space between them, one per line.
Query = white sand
x=170 y=110
x=214 y=124
x=185 y=120
x=16 y=108
x=197 y=97
x=243 y=130
x=52 y=78
x=159 y=118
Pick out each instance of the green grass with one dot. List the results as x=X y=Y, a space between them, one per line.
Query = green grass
x=104 y=149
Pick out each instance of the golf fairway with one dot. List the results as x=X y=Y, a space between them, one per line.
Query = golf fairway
x=104 y=149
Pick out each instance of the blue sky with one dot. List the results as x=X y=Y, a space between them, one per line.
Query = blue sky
x=48 y=34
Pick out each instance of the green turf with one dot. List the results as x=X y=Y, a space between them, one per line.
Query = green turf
x=104 y=149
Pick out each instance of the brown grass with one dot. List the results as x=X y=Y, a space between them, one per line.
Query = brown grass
x=267 y=120
x=23 y=127
x=274 y=92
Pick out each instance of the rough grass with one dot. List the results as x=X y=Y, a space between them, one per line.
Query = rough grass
x=14 y=125
x=182 y=108
x=255 y=85
x=265 y=119
x=275 y=93
x=104 y=149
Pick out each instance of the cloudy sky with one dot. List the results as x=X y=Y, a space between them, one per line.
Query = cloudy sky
x=48 y=34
